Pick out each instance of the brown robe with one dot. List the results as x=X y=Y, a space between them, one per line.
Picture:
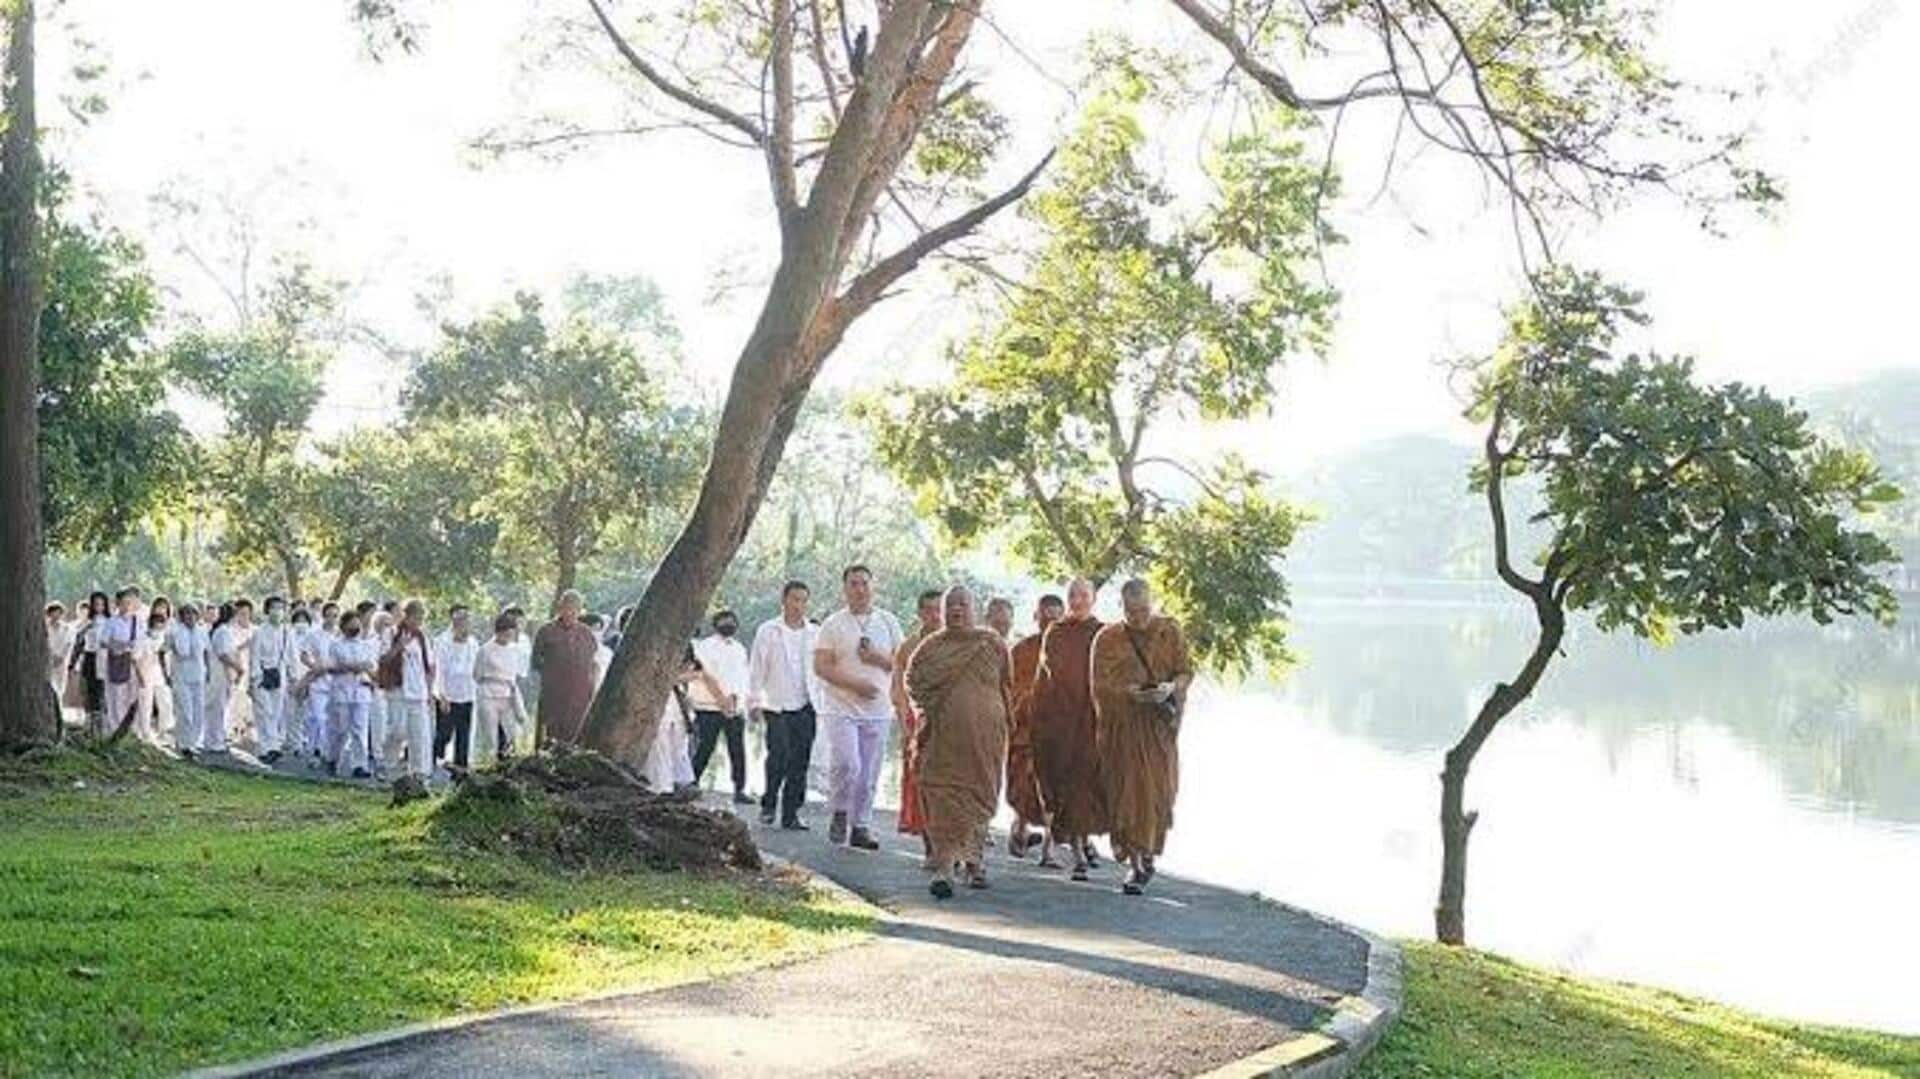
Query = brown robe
x=1060 y=714
x=563 y=657
x=912 y=819
x=1139 y=752
x=1023 y=787
x=958 y=680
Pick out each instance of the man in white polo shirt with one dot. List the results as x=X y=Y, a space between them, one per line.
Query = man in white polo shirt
x=719 y=701
x=853 y=655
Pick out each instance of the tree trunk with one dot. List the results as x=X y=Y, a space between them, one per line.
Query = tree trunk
x=566 y=573
x=27 y=710
x=344 y=574
x=1456 y=823
x=290 y=567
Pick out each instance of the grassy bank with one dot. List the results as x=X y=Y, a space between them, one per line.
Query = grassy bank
x=155 y=917
x=1471 y=1015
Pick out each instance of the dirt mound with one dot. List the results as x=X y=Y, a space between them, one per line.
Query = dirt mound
x=581 y=810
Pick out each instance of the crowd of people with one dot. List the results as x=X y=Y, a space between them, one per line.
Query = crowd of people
x=1075 y=725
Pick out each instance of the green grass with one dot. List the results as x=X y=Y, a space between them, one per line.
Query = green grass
x=1471 y=1015
x=155 y=917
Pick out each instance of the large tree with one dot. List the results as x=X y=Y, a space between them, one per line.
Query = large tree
x=1670 y=507
x=27 y=711
x=867 y=122
x=1130 y=316
x=267 y=375
x=111 y=450
x=578 y=411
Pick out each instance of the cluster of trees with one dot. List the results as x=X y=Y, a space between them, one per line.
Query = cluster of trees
x=1667 y=506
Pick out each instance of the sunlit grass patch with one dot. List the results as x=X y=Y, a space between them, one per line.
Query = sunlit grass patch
x=197 y=917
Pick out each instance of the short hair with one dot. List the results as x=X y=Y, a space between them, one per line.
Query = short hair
x=361 y=608
x=1052 y=599
x=188 y=608
x=594 y=619
x=242 y=603
x=514 y=609
x=858 y=567
x=458 y=608
x=389 y=605
x=56 y=607
x=724 y=612
x=128 y=590
x=794 y=586
x=570 y=594
x=931 y=594
x=271 y=600
x=503 y=622
x=329 y=606
x=303 y=615
x=1136 y=589
x=999 y=602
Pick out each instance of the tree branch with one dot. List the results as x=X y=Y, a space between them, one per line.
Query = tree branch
x=786 y=198
x=674 y=90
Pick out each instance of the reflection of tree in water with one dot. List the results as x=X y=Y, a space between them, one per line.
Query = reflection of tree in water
x=1836 y=712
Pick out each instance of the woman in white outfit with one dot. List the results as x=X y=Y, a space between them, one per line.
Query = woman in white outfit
x=227 y=673
x=153 y=697
x=351 y=660
x=669 y=762
x=496 y=692
x=188 y=653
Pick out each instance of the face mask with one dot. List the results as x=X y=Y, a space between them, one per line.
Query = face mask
x=726 y=629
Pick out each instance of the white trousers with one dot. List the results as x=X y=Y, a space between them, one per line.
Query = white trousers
x=317 y=721
x=269 y=719
x=189 y=714
x=153 y=712
x=410 y=730
x=348 y=731
x=857 y=748
x=377 y=728
x=213 y=722
x=491 y=717
x=669 y=761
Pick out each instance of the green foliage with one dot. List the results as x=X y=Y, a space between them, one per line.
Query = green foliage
x=110 y=450
x=1674 y=506
x=1129 y=314
x=409 y=504
x=577 y=410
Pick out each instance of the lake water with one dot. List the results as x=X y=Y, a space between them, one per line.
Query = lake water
x=1736 y=816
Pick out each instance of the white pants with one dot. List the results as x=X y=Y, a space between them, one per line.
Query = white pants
x=213 y=722
x=318 y=721
x=858 y=746
x=153 y=712
x=377 y=728
x=120 y=697
x=491 y=717
x=669 y=762
x=348 y=734
x=189 y=714
x=410 y=729
x=269 y=714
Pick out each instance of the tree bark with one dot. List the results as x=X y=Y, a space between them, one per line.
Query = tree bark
x=1456 y=823
x=27 y=710
x=800 y=323
x=290 y=567
x=344 y=574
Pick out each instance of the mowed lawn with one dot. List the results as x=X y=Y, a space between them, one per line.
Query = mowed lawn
x=1471 y=1015
x=155 y=917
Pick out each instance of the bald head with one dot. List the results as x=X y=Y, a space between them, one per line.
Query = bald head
x=1080 y=597
x=1136 y=599
x=957 y=605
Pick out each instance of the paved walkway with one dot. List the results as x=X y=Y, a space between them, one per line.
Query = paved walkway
x=1036 y=976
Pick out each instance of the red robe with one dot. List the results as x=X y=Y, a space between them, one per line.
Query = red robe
x=1023 y=788
x=913 y=819
x=1066 y=754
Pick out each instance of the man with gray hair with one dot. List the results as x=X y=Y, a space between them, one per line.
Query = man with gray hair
x=1141 y=674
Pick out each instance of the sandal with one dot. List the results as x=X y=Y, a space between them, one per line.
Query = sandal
x=1131 y=887
x=941 y=888
x=1079 y=872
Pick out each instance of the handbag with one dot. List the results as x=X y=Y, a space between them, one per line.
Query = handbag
x=1169 y=709
x=270 y=679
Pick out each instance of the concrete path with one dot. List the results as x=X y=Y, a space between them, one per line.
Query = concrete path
x=1038 y=976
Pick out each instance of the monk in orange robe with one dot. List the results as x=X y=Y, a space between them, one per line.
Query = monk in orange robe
x=1023 y=787
x=958 y=680
x=912 y=821
x=1061 y=720
x=1141 y=674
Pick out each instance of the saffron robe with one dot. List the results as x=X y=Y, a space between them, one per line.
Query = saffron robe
x=1023 y=787
x=1139 y=750
x=959 y=681
x=1061 y=718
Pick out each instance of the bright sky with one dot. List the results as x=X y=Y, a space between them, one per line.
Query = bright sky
x=277 y=101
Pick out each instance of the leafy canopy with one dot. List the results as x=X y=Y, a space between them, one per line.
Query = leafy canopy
x=1128 y=317
x=1673 y=506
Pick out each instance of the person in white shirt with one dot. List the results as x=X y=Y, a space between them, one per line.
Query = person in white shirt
x=351 y=660
x=496 y=692
x=153 y=699
x=227 y=673
x=116 y=643
x=59 y=645
x=718 y=696
x=853 y=655
x=377 y=626
x=88 y=661
x=669 y=768
x=187 y=655
x=298 y=683
x=311 y=645
x=779 y=690
x=454 y=654
x=410 y=704
x=268 y=671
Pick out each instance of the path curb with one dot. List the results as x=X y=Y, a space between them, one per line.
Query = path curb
x=292 y=1059
x=1344 y=1038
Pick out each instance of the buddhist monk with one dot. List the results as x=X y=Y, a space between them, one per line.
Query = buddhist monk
x=1023 y=789
x=958 y=680
x=1141 y=674
x=1060 y=715
x=563 y=657
x=911 y=820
